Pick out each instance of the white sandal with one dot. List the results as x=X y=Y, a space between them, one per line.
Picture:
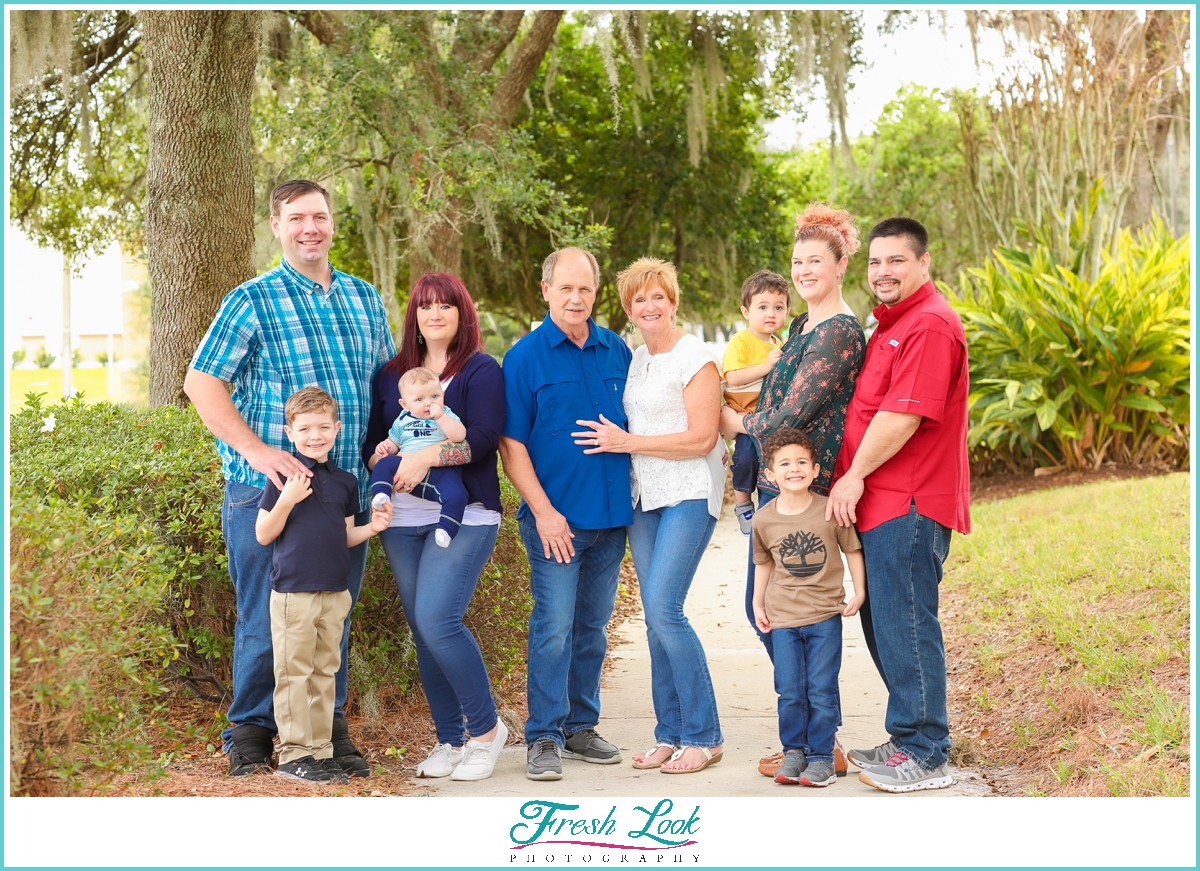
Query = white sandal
x=710 y=758
x=673 y=748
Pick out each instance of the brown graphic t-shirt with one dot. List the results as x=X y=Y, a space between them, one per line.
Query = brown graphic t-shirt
x=806 y=569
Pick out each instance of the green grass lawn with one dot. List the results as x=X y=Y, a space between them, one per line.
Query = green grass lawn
x=1067 y=615
x=92 y=382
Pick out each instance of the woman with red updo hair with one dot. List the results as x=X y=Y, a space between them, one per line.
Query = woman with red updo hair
x=811 y=385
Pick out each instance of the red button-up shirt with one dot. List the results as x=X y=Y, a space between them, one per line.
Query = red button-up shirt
x=916 y=364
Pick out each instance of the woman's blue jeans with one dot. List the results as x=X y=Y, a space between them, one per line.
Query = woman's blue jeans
x=807 y=662
x=436 y=585
x=904 y=558
x=667 y=544
x=764 y=496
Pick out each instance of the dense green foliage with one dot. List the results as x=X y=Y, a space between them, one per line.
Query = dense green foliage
x=86 y=644
x=161 y=469
x=909 y=165
x=622 y=154
x=1067 y=370
x=77 y=176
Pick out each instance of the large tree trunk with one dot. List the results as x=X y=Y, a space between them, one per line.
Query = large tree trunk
x=199 y=180
x=442 y=252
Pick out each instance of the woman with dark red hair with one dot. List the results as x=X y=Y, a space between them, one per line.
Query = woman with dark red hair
x=441 y=333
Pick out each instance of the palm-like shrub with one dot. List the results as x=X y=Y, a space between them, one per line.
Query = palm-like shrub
x=1076 y=371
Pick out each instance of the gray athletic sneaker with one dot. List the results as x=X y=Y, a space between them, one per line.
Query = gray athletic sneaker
x=874 y=756
x=819 y=772
x=544 y=761
x=588 y=746
x=792 y=767
x=903 y=774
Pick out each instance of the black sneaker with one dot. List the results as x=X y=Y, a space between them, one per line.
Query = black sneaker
x=588 y=746
x=345 y=753
x=305 y=768
x=335 y=771
x=251 y=751
x=544 y=761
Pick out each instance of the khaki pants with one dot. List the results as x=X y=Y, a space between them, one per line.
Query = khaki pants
x=306 y=638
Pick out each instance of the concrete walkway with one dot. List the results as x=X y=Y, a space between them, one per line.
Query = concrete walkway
x=746 y=700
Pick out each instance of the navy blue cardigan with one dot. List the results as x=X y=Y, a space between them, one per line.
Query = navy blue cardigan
x=476 y=395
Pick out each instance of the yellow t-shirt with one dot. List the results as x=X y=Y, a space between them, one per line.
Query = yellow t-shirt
x=745 y=349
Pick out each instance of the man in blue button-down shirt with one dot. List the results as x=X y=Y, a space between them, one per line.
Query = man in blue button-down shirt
x=301 y=324
x=574 y=509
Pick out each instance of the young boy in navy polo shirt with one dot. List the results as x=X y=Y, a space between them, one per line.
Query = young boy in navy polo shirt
x=311 y=522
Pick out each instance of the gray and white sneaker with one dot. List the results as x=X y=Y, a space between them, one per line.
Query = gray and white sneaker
x=902 y=773
x=544 y=761
x=875 y=756
x=441 y=761
x=792 y=767
x=588 y=746
x=818 y=772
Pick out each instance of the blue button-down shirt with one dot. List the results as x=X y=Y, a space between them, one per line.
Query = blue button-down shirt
x=280 y=332
x=549 y=383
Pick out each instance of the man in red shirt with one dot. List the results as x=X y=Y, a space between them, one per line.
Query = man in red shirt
x=902 y=479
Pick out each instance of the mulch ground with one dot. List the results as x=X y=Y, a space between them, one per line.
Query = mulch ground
x=393 y=744
x=396 y=742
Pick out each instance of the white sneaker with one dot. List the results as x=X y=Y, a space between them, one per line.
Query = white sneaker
x=478 y=758
x=442 y=537
x=379 y=500
x=440 y=762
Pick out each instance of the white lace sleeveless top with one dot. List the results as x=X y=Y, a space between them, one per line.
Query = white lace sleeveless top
x=654 y=403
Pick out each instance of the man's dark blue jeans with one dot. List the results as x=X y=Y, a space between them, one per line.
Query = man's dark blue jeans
x=904 y=558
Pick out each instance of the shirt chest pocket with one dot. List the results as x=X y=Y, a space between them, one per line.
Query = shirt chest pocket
x=876 y=376
x=559 y=404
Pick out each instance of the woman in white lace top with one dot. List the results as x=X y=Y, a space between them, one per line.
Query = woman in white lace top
x=673 y=401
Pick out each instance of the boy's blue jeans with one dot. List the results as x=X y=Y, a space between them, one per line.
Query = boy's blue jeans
x=807 y=662
x=250 y=571
x=744 y=464
x=443 y=484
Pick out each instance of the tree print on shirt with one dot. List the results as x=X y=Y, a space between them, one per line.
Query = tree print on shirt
x=803 y=554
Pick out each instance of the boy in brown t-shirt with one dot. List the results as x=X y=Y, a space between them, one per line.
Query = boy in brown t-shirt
x=800 y=599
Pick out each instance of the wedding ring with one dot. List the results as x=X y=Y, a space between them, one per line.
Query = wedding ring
x=596 y=443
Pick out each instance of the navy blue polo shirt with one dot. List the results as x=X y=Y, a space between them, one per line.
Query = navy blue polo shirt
x=311 y=554
x=549 y=383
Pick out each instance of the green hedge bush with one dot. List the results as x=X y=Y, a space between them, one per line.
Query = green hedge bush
x=86 y=645
x=161 y=467
x=1071 y=371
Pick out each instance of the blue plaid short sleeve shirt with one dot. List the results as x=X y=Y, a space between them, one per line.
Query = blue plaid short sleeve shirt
x=280 y=332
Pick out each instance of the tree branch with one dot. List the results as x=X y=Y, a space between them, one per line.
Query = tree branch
x=322 y=24
x=507 y=97
x=506 y=23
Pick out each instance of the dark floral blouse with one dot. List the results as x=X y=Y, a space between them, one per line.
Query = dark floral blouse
x=809 y=389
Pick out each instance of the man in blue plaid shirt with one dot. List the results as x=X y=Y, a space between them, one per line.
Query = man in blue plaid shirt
x=301 y=324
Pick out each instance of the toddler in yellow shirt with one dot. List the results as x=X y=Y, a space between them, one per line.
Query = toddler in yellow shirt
x=749 y=356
